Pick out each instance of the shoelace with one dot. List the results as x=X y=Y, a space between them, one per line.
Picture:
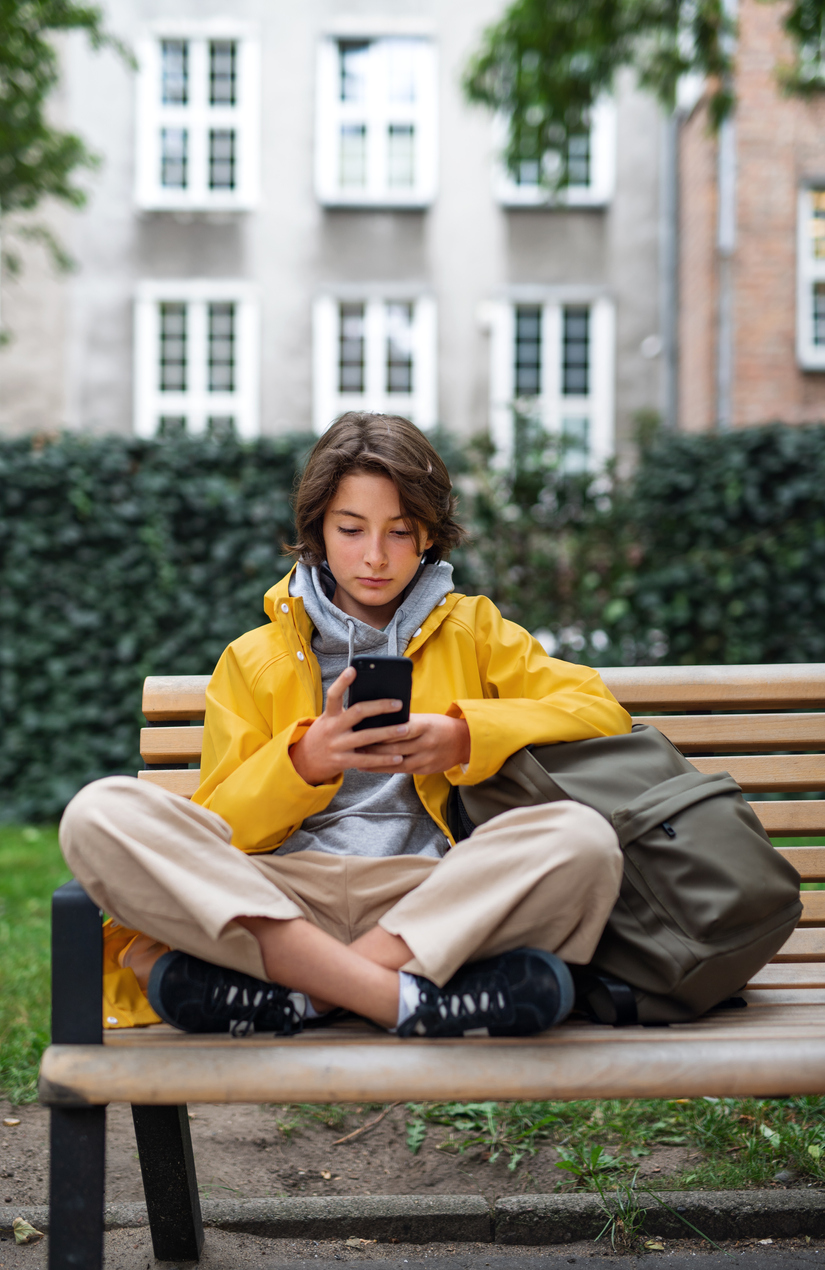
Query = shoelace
x=488 y=1000
x=246 y=1008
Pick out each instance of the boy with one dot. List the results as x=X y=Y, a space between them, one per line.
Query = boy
x=314 y=867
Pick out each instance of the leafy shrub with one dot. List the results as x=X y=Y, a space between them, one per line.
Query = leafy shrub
x=121 y=558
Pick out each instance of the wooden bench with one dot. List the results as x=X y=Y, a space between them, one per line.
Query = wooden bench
x=763 y=724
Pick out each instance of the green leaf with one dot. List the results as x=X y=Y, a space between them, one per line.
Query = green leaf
x=416 y=1133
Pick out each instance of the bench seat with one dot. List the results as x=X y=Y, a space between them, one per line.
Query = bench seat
x=763 y=724
x=766 y=1050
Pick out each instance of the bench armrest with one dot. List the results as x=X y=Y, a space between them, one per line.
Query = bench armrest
x=77 y=968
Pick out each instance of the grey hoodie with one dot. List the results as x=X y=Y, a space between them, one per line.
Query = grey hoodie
x=372 y=814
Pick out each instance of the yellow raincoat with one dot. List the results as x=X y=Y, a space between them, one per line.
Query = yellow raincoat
x=468 y=662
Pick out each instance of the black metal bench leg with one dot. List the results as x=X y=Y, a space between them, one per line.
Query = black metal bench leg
x=168 y=1166
x=78 y=1133
x=76 y=1179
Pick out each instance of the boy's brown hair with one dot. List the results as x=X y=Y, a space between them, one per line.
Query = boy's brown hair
x=387 y=445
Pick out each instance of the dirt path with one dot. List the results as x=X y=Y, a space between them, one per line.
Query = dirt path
x=257 y=1152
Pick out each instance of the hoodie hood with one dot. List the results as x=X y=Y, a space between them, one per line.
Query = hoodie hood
x=338 y=637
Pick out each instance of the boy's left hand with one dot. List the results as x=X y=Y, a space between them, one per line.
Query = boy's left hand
x=434 y=743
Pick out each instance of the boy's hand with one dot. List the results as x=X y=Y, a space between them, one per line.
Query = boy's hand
x=330 y=745
x=433 y=743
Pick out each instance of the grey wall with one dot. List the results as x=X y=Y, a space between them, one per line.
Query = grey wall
x=71 y=360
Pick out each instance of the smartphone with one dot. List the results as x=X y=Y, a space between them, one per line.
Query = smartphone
x=378 y=677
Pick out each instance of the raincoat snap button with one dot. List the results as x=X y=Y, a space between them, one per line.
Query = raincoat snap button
x=417 y=633
x=300 y=657
x=284 y=608
x=444 y=601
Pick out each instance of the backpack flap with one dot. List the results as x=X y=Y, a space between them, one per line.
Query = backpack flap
x=663 y=802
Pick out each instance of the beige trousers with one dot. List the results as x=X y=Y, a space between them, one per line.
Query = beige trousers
x=545 y=877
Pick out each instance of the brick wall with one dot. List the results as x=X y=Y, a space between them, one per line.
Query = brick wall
x=780 y=144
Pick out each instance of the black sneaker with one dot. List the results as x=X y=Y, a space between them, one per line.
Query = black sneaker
x=516 y=994
x=195 y=996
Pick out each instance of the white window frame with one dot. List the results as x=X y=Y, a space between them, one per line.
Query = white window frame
x=597 y=193
x=197 y=404
x=421 y=405
x=377 y=113
x=198 y=117
x=810 y=270
x=550 y=406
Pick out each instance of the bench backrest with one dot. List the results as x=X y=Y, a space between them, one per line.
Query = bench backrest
x=763 y=724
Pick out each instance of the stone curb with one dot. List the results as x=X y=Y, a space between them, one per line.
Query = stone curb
x=515 y=1220
x=559 y=1219
x=405 y=1218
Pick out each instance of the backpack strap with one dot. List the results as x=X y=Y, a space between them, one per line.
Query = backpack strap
x=603 y=998
x=458 y=821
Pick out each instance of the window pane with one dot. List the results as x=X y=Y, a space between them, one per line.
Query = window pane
x=528 y=350
x=575 y=432
x=172 y=351
x=170 y=425
x=174 y=148
x=818 y=224
x=352 y=64
x=353 y=157
x=399 y=347
x=578 y=159
x=220 y=425
x=174 y=78
x=223 y=73
x=222 y=159
x=819 y=312
x=575 y=377
x=401 y=159
x=401 y=69
x=351 y=348
x=221 y=348
x=527 y=172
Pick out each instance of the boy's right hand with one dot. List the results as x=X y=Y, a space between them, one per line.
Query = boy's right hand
x=330 y=746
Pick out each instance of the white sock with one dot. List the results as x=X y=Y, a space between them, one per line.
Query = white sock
x=304 y=1007
x=409 y=995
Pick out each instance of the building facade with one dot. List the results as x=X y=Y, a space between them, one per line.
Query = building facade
x=298 y=214
x=752 y=246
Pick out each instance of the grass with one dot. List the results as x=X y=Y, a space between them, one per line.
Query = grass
x=736 y=1142
x=31 y=866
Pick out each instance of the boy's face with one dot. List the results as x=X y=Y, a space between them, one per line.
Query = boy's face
x=372 y=554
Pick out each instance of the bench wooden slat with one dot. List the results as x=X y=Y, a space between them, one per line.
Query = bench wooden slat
x=720 y=732
x=736 y=732
x=803 y=945
x=174 y=696
x=183 y=782
x=766 y=1021
x=637 y=687
x=717 y=687
x=789 y=975
x=777 y=996
x=766 y=773
x=813 y=908
x=809 y=862
x=171 y=745
x=799 y=817
x=763 y=1063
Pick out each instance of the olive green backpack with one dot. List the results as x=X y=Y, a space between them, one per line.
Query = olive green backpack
x=705 y=899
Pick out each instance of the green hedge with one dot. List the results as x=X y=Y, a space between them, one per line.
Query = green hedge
x=121 y=558
x=713 y=551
